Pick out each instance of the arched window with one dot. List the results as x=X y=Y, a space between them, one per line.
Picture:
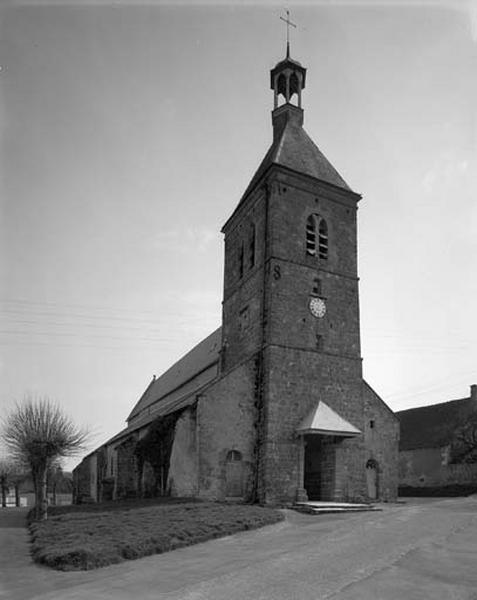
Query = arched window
x=251 y=247
x=234 y=456
x=323 y=239
x=311 y=235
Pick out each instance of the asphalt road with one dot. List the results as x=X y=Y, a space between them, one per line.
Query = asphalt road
x=419 y=550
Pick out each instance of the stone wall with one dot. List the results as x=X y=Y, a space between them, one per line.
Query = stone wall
x=81 y=481
x=429 y=467
x=127 y=475
x=226 y=416
x=183 y=469
x=382 y=442
x=297 y=380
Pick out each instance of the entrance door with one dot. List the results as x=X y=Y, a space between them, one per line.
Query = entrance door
x=372 y=478
x=312 y=475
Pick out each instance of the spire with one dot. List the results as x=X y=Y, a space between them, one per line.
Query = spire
x=288 y=22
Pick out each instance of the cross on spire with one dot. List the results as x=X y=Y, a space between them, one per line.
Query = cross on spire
x=288 y=22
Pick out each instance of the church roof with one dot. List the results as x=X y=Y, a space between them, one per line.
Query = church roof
x=294 y=149
x=325 y=421
x=186 y=376
x=433 y=426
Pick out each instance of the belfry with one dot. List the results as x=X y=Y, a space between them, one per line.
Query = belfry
x=272 y=407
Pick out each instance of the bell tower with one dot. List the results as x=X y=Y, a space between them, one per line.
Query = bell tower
x=291 y=305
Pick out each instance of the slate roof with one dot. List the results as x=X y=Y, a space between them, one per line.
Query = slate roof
x=194 y=370
x=294 y=149
x=433 y=426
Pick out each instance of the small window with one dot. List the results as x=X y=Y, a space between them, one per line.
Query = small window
x=251 y=248
x=311 y=236
x=371 y=424
x=241 y=262
x=319 y=342
x=323 y=239
x=317 y=286
x=234 y=456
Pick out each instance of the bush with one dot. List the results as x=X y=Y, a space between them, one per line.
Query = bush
x=78 y=539
x=444 y=491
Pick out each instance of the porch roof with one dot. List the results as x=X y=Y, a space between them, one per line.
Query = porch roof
x=325 y=421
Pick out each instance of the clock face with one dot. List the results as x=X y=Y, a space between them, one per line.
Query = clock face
x=317 y=307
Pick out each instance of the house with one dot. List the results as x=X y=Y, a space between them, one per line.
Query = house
x=431 y=458
x=272 y=406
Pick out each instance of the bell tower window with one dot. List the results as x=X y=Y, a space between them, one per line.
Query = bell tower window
x=323 y=239
x=311 y=236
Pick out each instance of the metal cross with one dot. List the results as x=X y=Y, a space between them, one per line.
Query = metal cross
x=288 y=22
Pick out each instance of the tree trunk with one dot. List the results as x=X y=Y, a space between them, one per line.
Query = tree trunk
x=4 y=492
x=41 y=501
x=17 y=494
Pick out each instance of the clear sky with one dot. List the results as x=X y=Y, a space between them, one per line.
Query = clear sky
x=129 y=132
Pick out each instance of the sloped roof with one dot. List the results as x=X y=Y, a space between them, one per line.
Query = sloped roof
x=294 y=149
x=324 y=420
x=433 y=426
x=195 y=365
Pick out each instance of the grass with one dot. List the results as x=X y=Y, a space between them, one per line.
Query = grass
x=87 y=539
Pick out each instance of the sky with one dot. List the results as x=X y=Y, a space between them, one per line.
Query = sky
x=129 y=132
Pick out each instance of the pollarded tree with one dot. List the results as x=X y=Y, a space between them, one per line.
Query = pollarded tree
x=37 y=434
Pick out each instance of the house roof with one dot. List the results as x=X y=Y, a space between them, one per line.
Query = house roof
x=433 y=426
x=186 y=376
x=325 y=421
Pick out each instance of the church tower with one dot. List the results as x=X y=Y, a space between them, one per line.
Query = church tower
x=291 y=304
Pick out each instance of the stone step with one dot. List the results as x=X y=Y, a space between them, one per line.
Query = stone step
x=321 y=507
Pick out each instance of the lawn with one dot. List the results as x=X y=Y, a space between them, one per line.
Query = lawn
x=80 y=540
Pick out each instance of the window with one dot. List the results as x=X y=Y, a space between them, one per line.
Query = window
x=311 y=236
x=371 y=424
x=316 y=287
x=241 y=264
x=323 y=239
x=234 y=456
x=251 y=247
x=319 y=342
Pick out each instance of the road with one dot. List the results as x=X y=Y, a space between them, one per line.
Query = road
x=420 y=550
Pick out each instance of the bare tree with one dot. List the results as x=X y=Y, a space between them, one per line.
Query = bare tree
x=38 y=433
x=464 y=446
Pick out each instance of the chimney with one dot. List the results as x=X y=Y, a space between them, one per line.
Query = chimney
x=473 y=392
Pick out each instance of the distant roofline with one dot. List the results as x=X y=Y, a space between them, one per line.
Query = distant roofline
x=429 y=406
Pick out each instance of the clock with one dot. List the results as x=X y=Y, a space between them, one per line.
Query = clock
x=317 y=307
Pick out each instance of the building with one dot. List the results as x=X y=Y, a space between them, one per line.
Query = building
x=432 y=459
x=271 y=407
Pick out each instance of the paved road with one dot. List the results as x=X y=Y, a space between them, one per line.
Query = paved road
x=414 y=551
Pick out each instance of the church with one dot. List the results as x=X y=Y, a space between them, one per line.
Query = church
x=272 y=406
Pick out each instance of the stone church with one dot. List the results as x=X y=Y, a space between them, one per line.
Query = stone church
x=271 y=407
